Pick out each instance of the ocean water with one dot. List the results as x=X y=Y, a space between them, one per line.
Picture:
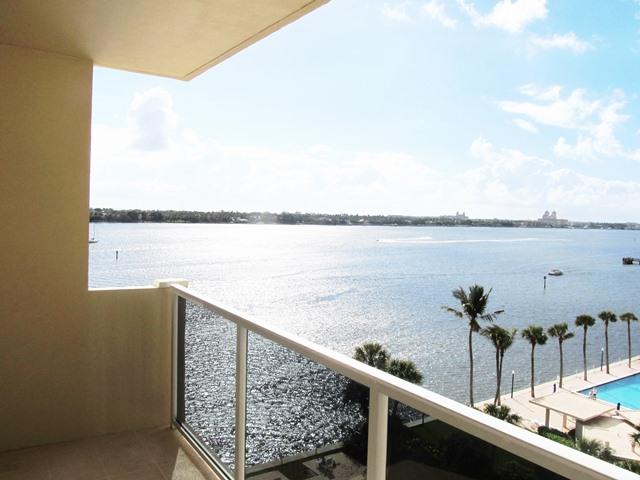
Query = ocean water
x=341 y=286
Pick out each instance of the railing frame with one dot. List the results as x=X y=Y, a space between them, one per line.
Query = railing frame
x=546 y=453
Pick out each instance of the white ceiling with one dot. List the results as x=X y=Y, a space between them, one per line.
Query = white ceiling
x=173 y=38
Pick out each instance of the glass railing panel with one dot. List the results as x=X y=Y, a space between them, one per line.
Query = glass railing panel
x=425 y=447
x=303 y=420
x=421 y=447
x=207 y=409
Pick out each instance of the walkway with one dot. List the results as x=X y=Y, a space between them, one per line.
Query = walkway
x=534 y=416
x=158 y=454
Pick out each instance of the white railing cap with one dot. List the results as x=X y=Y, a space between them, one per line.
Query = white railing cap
x=537 y=449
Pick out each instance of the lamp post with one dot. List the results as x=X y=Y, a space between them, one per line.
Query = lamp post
x=513 y=375
x=601 y=357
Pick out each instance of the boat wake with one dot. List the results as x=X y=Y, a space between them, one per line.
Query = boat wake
x=431 y=241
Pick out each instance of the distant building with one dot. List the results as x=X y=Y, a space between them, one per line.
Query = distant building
x=458 y=217
x=552 y=220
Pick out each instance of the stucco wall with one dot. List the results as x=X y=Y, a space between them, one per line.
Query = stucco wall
x=131 y=363
x=72 y=364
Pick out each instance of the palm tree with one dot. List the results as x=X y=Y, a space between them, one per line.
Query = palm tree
x=606 y=316
x=635 y=438
x=595 y=448
x=472 y=307
x=373 y=354
x=536 y=336
x=406 y=370
x=629 y=317
x=501 y=339
x=502 y=412
x=585 y=321
x=560 y=331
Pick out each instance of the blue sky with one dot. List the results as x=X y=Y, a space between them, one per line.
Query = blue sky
x=498 y=108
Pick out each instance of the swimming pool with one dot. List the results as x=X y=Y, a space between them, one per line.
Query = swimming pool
x=625 y=390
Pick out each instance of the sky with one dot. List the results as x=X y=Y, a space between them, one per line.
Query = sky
x=501 y=109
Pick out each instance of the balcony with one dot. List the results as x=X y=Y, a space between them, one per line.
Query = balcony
x=254 y=401
x=77 y=365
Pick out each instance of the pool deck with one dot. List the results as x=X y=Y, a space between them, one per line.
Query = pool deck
x=613 y=429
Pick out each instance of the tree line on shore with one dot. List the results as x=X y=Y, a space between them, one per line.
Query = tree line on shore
x=110 y=215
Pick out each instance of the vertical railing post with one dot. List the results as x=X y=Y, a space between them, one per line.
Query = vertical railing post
x=181 y=321
x=377 y=441
x=241 y=401
x=173 y=302
x=175 y=309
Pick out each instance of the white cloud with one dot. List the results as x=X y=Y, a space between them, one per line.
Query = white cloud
x=548 y=93
x=509 y=180
x=568 y=41
x=436 y=10
x=398 y=11
x=524 y=125
x=196 y=173
x=509 y=15
x=551 y=109
x=152 y=119
x=594 y=120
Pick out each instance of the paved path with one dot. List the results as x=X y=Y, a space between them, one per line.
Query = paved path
x=533 y=416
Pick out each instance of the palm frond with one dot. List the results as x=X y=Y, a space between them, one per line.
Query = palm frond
x=607 y=316
x=585 y=321
x=457 y=313
x=461 y=295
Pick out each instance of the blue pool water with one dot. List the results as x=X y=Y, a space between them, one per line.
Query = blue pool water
x=626 y=391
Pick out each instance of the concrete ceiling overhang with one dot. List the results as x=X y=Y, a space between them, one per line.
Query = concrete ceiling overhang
x=172 y=38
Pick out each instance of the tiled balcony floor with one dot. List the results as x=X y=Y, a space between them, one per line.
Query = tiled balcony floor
x=158 y=454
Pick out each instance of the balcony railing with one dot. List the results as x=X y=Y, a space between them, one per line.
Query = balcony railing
x=256 y=399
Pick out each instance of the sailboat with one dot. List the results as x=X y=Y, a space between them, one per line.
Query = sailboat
x=93 y=234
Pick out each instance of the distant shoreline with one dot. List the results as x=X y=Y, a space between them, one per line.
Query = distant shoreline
x=109 y=215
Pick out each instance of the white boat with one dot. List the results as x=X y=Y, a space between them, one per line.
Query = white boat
x=93 y=238
x=555 y=272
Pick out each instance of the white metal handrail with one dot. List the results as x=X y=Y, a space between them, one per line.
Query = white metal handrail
x=546 y=453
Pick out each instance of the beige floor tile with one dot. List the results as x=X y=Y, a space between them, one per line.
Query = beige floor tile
x=148 y=473
x=27 y=460
x=161 y=445
x=157 y=454
x=182 y=469
x=26 y=475
x=121 y=454
x=74 y=461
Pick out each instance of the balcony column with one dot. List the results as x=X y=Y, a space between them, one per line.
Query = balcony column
x=241 y=401
x=377 y=441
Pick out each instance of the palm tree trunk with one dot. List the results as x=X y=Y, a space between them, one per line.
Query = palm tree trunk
x=533 y=393
x=606 y=344
x=470 y=367
x=500 y=378
x=629 y=341
x=496 y=398
x=584 y=352
x=561 y=365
